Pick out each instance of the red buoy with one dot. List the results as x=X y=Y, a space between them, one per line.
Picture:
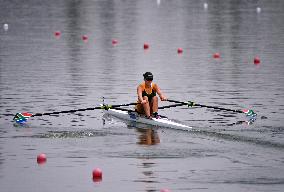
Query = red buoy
x=179 y=50
x=57 y=33
x=84 y=37
x=216 y=55
x=97 y=173
x=41 y=158
x=256 y=60
x=114 y=42
x=146 y=46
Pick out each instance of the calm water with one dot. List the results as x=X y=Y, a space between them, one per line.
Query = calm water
x=41 y=73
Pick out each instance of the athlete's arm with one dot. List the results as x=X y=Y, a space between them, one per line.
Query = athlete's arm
x=160 y=93
x=140 y=97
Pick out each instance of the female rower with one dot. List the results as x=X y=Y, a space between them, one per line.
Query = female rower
x=147 y=96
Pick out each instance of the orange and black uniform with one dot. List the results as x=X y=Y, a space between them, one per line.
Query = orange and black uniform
x=149 y=92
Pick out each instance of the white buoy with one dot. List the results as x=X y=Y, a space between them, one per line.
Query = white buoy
x=158 y=2
x=258 y=9
x=205 y=5
x=6 y=27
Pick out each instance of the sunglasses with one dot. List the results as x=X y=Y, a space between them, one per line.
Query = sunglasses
x=149 y=79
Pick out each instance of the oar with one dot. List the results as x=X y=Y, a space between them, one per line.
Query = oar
x=23 y=117
x=169 y=106
x=248 y=112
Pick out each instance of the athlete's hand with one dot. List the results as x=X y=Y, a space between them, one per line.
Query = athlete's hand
x=144 y=101
x=163 y=98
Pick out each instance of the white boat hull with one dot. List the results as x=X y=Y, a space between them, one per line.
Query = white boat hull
x=134 y=117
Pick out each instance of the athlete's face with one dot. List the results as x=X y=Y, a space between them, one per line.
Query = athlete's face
x=148 y=81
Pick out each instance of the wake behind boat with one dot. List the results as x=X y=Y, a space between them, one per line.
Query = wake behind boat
x=133 y=116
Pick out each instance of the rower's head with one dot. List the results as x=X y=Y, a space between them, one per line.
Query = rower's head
x=148 y=76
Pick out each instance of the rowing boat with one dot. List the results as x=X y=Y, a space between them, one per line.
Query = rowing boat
x=132 y=116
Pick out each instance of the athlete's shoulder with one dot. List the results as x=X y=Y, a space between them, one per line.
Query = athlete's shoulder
x=142 y=85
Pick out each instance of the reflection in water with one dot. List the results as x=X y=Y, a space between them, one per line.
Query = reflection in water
x=75 y=15
x=148 y=136
x=149 y=177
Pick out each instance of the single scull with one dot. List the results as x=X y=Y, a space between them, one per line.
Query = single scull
x=135 y=117
x=132 y=116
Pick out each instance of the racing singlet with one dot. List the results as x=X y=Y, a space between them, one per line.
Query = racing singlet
x=149 y=92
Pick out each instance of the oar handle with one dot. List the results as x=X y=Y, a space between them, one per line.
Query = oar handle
x=169 y=106
x=123 y=105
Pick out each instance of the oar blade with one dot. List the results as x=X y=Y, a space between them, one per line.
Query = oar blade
x=250 y=113
x=22 y=117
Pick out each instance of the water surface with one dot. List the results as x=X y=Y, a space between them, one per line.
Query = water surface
x=42 y=73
